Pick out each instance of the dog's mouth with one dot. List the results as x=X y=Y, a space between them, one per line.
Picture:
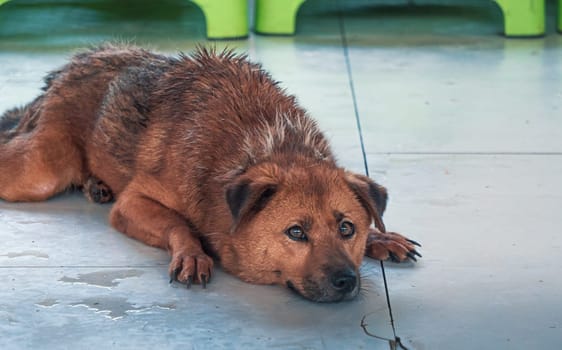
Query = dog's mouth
x=325 y=291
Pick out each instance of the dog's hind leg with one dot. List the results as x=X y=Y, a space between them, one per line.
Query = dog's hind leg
x=97 y=191
x=37 y=160
x=37 y=167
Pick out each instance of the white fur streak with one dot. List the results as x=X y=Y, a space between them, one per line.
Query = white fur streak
x=273 y=132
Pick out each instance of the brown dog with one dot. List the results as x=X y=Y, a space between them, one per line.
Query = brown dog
x=206 y=156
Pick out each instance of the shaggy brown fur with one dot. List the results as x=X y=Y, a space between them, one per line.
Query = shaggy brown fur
x=206 y=156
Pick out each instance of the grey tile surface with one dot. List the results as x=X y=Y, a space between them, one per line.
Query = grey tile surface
x=463 y=126
x=451 y=85
x=491 y=231
x=500 y=97
x=92 y=308
x=68 y=231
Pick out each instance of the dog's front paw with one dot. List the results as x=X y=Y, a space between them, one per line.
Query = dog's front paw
x=187 y=268
x=391 y=246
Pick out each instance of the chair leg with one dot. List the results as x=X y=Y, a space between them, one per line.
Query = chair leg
x=277 y=17
x=523 y=17
x=225 y=19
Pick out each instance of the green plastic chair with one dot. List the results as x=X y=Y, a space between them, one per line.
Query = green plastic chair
x=521 y=17
x=560 y=16
x=277 y=17
x=225 y=19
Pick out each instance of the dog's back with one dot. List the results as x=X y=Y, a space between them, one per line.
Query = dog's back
x=211 y=115
x=115 y=111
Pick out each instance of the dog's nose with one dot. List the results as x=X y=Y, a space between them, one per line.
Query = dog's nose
x=344 y=281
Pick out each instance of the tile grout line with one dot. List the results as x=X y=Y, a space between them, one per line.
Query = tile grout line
x=83 y=267
x=396 y=341
x=352 y=90
x=467 y=153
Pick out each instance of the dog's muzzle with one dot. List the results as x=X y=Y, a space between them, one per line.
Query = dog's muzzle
x=332 y=286
x=344 y=281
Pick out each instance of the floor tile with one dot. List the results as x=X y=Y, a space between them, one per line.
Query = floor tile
x=491 y=245
x=442 y=91
x=68 y=231
x=47 y=307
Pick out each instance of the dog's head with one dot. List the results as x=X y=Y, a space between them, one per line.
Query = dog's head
x=303 y=226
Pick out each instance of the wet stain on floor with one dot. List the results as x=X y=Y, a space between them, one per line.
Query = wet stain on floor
x=117 y=307
x=103 y=278
x=33 y=253
x=49 y=302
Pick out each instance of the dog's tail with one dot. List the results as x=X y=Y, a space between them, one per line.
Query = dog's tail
x=19 y=120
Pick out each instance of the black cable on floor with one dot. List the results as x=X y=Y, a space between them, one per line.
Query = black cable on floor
x=396 y=342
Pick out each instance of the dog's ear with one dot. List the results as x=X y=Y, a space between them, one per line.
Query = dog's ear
x=250 y=193
x=371 y=195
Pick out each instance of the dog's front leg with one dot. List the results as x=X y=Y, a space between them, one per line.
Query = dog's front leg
x=149 y=221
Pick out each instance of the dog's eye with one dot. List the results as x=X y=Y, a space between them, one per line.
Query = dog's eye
x=347 y=229
x=296 y=233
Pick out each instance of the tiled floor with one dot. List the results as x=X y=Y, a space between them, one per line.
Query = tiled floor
x=462 y=125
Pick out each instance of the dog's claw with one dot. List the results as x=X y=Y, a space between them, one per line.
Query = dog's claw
x=413 y=242
x=203 y=280
x=393 y=257
x=174 y=275
x=188 y=282
x=411 y=256
x=416 y=253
